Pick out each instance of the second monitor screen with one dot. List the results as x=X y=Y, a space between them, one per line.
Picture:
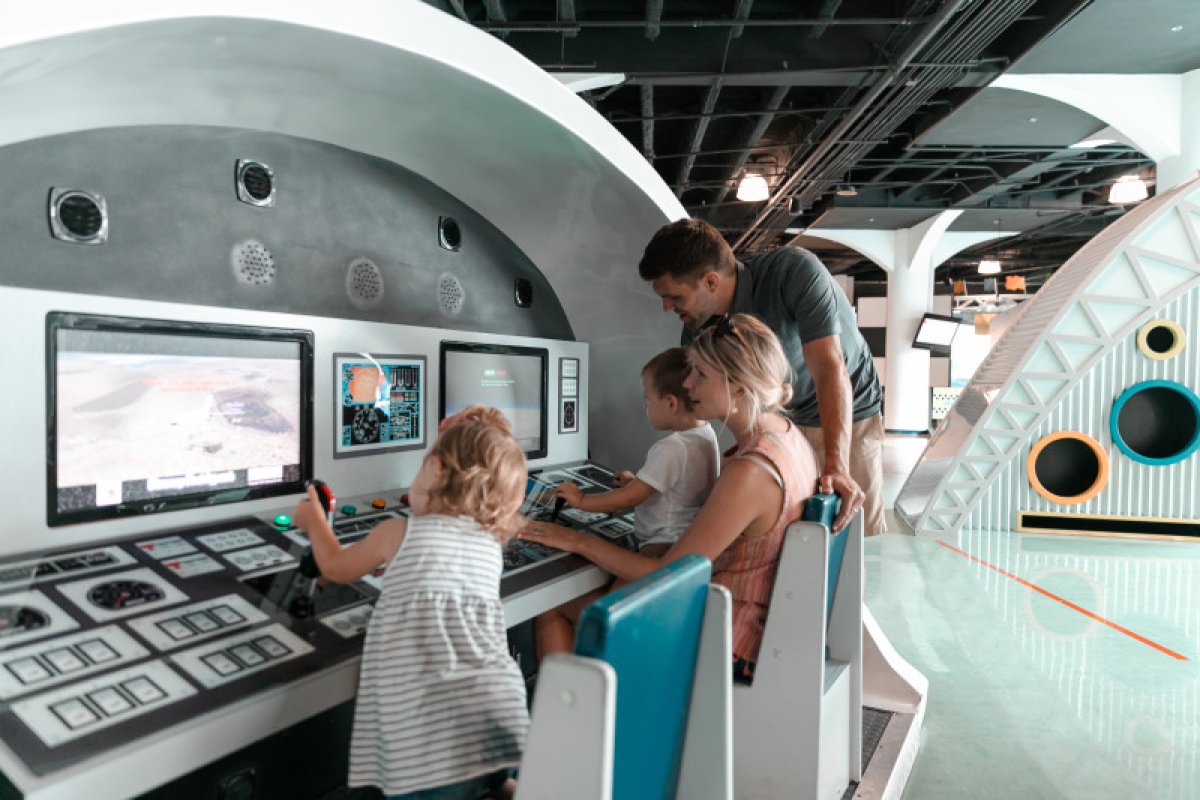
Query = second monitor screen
x=511 y=379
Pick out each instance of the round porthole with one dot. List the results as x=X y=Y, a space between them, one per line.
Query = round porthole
x=255 y=183
x=1156 y=422
x=78 y=216
x=1161 y=339
x=1067 y=467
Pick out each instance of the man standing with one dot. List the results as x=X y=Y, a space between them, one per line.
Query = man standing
x=836 y=393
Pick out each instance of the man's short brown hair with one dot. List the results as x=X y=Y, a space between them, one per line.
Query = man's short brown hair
x=667 y=371
x=685 y=250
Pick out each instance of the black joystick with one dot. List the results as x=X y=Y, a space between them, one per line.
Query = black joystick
x=559 y=502
x=304 y=581
x=328 y=501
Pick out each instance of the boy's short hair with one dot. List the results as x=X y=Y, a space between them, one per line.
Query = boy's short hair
x=483 y=471
x=685 y=250
x=667 y=371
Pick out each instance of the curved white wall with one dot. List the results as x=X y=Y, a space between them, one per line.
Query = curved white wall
x=399 y=80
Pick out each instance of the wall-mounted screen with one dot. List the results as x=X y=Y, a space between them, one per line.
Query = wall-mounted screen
x=380 y=403
x=509 y=378
x=145 y=416
x=936 y=332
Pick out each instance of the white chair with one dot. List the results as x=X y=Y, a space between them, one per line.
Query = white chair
x=798 y=727
x=674 y=742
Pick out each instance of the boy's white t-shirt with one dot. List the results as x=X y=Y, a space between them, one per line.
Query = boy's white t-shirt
x=682 y=469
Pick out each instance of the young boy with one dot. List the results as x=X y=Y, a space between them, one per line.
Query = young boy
x=680 y=470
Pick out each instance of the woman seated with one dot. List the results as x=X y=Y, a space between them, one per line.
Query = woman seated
x=740 y=376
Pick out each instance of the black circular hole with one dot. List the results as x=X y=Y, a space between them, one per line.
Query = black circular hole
x=1160 y=339
x=80 y=215
x=257 y=180
x=1067 y=467
x=1157 y=422
x=449 y=234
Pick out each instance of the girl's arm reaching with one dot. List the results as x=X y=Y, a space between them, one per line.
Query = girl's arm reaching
x=345 y=564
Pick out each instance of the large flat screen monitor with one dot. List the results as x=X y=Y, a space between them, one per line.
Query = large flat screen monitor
x=145 y=416
x=509 y=378
x=936 y=333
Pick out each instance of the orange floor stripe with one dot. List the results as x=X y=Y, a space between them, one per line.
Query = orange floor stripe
x=1068 y=604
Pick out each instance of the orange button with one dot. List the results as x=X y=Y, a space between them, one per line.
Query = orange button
x=378 y=502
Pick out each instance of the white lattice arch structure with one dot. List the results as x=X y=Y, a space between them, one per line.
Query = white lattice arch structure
x=1058 y=366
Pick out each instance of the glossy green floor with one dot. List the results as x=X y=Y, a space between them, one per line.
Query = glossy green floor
x=1032 y=698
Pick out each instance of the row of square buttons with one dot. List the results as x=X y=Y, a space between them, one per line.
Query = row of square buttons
x=63 y=660
x=110 y=701
x=246 y=655
x=205 y=621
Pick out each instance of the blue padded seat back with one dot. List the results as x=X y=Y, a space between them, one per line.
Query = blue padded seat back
x=823 y=508
x=649 y=631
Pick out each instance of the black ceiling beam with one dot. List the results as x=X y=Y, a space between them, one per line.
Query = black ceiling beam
x=701 y=127
x=828 y=11
x=741 y=14
x=647 y=99
x=791 y=112
x=653 y=22
x=566 y=13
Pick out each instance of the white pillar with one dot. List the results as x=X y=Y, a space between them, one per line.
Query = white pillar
x=910 y=295
x=1174 y=170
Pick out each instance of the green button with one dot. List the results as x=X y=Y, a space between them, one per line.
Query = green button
x=282 y=520
x=349 y=511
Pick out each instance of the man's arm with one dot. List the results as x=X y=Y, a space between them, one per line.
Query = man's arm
x=835 y=403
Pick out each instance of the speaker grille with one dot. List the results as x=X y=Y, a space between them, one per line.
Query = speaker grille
x=78 y=216
x=451 y=295
x=364 y=282
x=253 y=263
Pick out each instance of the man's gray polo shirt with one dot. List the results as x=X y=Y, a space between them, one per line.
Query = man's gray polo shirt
x=793 y=293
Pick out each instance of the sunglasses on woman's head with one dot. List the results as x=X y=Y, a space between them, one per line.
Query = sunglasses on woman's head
x=721 y=326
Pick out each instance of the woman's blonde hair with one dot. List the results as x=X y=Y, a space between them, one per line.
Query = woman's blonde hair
x=483 y=471
x=748 y=354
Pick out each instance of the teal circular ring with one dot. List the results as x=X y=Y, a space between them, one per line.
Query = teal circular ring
x=1136 y=389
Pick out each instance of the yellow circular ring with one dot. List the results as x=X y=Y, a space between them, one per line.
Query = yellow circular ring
x=1093 y=490
x=1174 y=327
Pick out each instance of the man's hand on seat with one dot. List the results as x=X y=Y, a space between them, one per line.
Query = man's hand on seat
x=848 y=490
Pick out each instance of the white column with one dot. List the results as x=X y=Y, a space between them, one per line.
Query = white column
x=1174 y=170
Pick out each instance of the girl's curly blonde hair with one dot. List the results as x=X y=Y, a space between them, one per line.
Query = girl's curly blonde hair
x=483 y=471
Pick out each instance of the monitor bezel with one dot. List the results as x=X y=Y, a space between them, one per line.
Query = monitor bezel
x=935 y=349
x=63 y=320
x=486 y=348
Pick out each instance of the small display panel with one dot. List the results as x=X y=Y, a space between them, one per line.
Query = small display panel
x=146 y=416
x=380 y=403
x=936 y=332
x=511 y=379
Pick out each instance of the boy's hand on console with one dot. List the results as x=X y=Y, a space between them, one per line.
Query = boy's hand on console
x=569 y=492
x=551 y=535
x=622 y=478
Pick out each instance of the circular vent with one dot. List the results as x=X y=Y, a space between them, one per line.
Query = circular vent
x=255 y=183
x=449 y=233
x=451 y=295
x=364 y=282
x=253 y=263
x=78 y=216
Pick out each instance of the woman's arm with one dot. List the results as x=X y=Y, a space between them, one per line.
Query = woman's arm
x=633 y=493
x=744 y=499
x=345 y=564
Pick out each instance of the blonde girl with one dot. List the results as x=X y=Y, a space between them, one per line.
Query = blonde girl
x=441 y=705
